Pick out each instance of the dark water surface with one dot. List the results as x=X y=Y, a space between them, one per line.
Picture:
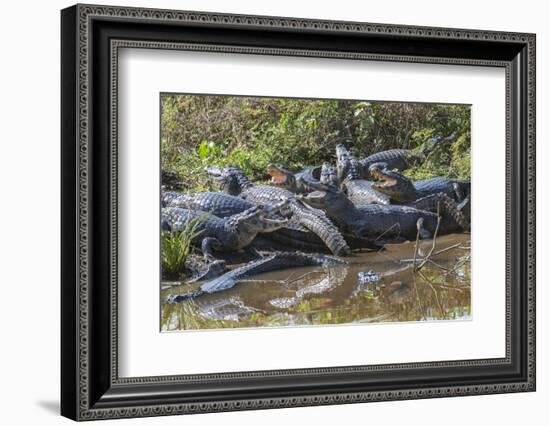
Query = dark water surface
x=374 y=287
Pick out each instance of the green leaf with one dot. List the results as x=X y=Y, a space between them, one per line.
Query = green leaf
x=204 y=150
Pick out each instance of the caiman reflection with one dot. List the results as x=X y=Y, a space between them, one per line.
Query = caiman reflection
x=374 y=287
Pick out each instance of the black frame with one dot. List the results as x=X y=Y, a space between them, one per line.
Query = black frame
x=90 y=387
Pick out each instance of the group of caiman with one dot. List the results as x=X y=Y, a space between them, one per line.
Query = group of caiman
x=315 y=216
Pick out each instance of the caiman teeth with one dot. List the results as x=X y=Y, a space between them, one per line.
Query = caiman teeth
x=277 y=176
x=275 y=221
x=278 y=179
x=316 y=194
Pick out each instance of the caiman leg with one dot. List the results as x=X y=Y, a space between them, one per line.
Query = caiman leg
x=423 y=232
x=253 y=252
x=214 y=267
x=458 y=192
x=213 y=270
x=464 y=207
x=208 y=245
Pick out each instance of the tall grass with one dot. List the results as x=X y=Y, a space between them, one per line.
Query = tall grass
x=176 y=246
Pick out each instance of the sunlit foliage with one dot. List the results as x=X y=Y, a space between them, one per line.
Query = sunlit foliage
x=250 y=132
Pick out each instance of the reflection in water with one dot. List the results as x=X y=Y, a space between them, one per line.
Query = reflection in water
x=374 y=287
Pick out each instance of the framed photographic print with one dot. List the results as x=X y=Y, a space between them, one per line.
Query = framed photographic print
x=263 y=212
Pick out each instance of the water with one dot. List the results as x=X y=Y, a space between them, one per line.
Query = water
x=375 y=287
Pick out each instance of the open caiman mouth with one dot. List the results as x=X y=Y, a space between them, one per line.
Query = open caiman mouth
x=275 y=221
x=315 y=195
x=278 y=177
x=382 y=181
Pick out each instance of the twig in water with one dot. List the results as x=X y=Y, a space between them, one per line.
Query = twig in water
x=435 y=293
x=418 y=226
x=438 y=265
x=387 y=230
x=450 y=287
x=290 y=276
x=459 y=264
x=433 y=242
x=418 y=299
x=388 y=257
x=251 y=280
x=457 y=245
x=303 y=276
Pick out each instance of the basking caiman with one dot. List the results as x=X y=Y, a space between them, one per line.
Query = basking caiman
x=291 y=235
x=402 y=190
x=358 y=190
x=383 y=222
x=234 y=181
x=224 y=234
x=402 y=159
x=219 y=204
x=272 y=262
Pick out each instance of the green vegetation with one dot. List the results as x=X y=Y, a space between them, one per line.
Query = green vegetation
x=250 y=133
x=176 y=247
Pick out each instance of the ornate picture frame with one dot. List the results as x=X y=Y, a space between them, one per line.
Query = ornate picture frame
x=91 y=37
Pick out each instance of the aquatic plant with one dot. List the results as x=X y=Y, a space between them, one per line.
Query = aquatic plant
x=176 y=246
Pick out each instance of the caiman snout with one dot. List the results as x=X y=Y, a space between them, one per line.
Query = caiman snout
x=281 y=207
x=272 y=208
x=214 y=171
x=341 y=149
x=268 y=224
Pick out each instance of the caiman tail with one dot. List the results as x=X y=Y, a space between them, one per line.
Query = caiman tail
x=318 y=223
x=448 y=208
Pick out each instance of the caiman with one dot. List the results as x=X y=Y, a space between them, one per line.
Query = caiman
x=271 y=262
x=402 y=190
x=292 y=235
x=235 y=182
x=224 y=234
x=385 y=222
x=358 y=190
x=219 y=204
x=402 y=159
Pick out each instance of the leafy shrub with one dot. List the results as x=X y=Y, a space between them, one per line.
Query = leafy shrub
x=250 y=133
